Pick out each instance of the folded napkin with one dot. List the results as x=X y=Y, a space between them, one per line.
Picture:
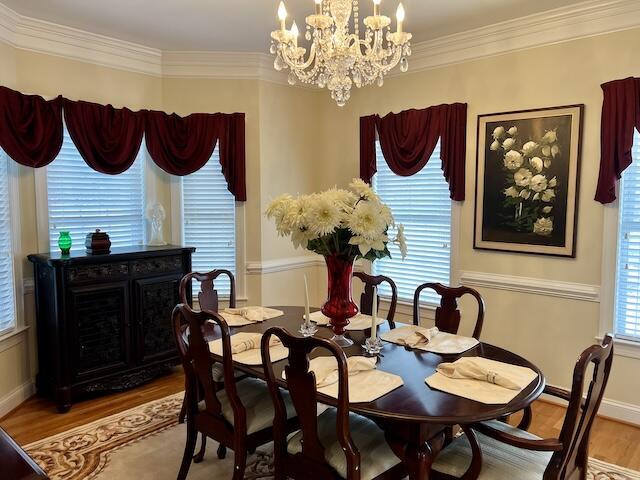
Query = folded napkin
x=245 y=348
x=480 y=379
x=359 y=322
x=237 y=317
x=429 y=339
x=326 y=368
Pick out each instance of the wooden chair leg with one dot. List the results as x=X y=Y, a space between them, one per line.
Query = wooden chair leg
x=203 y=447
x=240 y=462
x=222 y=452
x=189 y=448
x=183 y=409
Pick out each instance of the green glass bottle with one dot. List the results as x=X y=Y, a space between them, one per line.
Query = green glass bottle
x=64 y=242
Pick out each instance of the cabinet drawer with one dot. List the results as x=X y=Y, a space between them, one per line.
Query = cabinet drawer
x=97 y=272
x=157 y=265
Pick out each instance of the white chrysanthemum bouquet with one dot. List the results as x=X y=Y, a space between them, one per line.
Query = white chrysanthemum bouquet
x=351 y=222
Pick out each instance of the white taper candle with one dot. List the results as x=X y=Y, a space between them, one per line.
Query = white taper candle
x=374 y=315
x=307 y=317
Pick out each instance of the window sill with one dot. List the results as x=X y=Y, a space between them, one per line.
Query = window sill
x=624 y=348
x=12 y=338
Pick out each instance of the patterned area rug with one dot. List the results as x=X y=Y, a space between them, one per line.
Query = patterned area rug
x=146 y=443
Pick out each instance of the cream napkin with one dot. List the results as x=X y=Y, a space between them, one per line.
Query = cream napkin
x=480 y=379
x=238 y=317
x=366 y=383
x=245 y=348
x=429 y=339
x=359 y=322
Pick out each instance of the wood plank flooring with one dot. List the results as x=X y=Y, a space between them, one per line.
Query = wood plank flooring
x=37 y=418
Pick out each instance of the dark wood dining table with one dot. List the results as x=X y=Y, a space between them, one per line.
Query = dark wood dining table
x=414 y=417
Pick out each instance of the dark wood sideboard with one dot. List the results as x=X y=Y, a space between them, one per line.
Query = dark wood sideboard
x=104 y=321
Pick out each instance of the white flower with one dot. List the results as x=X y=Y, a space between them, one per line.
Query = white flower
x=550 y=137
x=387 y=215
x=524 y=193
x=365 y=244
x=529 y=148
x=344 y=199
x=401 y=241
x=536 y=163
x=543 y=226
x=555 y=150
x=538 y=183
x=495 y=146
x=362 y=189
x=548 y=195
x=301 y=237
x=553 y=182
x=547 y=209
x=509 y=143
x=278 y=209
x=547 y=162
x=536 y=196
x=323 y=215
x=513 y=160
x=546 y=151
x=367 y=220
x=498 y=133
x=511 y=192
x=522 y=177
x=512 y=131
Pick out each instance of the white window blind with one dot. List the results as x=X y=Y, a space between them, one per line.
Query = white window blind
x=7 y=293
x=209 y=218
x=81 y=200
x=421 y=202
x=627 y=316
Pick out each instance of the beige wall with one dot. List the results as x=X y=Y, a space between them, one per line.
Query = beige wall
x=549 y=331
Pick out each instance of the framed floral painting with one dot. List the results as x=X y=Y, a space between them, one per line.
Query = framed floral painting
x=527 y=181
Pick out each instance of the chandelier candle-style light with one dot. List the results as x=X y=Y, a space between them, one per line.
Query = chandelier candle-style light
x=339 y=58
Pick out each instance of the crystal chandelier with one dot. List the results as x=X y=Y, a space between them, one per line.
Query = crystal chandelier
x=337 y=57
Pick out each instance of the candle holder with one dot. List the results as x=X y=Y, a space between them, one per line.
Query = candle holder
x=372 y=346
x=308 y=329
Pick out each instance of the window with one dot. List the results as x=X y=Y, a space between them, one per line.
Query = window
x=421 y=202
x=627 y=307
x=81 y=200
x=7 y=295
x=209 y=220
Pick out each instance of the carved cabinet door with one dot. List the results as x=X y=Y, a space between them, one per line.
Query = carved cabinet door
x=100 y=338
x=155 y=299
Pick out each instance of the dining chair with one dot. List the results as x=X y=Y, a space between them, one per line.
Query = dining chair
x=499 y=451
x=335 y=444
x=240 y=416
x=366 y=299
x=448 y=314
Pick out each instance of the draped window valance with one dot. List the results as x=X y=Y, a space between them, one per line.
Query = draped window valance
x=408 y=139
x=620 y=115
x=109 y=138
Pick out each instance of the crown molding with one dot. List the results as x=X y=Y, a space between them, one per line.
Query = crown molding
x=590 y=18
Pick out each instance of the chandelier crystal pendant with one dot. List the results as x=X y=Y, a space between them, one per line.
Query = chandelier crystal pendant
x=339 y=58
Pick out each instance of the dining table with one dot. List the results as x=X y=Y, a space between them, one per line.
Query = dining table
x=414 y=417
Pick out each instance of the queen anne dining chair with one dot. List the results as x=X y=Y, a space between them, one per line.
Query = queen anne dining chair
x=448 y=314
x=336 y=444
x=366 y=299
x=499 y=451
x=240 y=416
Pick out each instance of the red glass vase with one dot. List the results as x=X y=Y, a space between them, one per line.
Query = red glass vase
x=339 y=306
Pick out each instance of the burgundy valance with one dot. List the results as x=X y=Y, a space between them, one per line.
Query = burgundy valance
x=408 y=139
x=107 y=138
x=620 y=115
x=30 y=127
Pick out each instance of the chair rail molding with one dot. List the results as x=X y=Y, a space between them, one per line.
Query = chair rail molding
x=534 y=286
x=582 y=20
x=283 y=264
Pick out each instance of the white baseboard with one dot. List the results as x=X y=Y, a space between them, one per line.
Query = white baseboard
x=16 y=397
x=621 y=411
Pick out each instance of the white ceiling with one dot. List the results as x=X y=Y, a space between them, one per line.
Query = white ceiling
x=244 y=25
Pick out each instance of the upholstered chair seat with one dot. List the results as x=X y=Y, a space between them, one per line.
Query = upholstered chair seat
x=217 y=372
x=499 y=460
x=376 y=457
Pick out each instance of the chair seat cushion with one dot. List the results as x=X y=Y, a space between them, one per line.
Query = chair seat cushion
x=254 y=395
x=217 y=372
x=376 y=456
x=499 y=460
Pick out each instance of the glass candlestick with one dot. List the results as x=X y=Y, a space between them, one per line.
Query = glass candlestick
x=308 y=329
x=372 y=346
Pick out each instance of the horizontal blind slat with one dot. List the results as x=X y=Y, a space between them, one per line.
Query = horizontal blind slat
x=7 y=291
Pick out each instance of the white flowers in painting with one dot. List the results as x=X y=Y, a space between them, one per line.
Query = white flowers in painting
x=351 y=222
x=529 y=188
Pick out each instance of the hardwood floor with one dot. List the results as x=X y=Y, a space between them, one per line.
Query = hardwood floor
x=611 y=441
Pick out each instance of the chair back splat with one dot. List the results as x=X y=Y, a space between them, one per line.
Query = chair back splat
x=207 y=296
x=366 y=299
